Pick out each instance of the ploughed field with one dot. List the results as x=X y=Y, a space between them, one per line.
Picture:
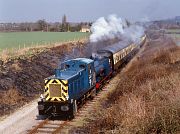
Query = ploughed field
x=29 y=39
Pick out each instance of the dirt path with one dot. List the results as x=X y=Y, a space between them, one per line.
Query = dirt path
x=20 y=121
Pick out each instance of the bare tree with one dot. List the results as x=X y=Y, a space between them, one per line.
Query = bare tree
x=64 y=26
x=42 y=24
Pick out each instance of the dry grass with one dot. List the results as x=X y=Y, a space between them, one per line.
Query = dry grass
x=147 y=99
x=12 y=97
x=11 y=53
x=10 y=100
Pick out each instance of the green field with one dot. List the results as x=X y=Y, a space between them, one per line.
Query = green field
x=174 y=33
x=173 y=30
x=26 y=39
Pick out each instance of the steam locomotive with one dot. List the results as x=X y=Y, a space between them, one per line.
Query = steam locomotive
x=81 y=78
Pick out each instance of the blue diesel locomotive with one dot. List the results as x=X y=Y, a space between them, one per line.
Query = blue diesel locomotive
x=81 y=78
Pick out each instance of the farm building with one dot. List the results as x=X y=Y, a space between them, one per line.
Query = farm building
x=85 y=29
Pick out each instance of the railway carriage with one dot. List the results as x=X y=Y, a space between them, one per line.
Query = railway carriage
x=119 y=52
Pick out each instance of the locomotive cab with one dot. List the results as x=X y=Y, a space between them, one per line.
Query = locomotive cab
x=103 y=64
x=63 y=91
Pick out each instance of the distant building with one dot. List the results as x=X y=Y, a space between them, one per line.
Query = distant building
x=177 y=18
x=85 y=29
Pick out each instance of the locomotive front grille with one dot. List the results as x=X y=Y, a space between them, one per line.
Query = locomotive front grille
x=55 y=90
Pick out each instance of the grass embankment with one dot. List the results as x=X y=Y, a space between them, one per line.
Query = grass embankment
x=147 y=98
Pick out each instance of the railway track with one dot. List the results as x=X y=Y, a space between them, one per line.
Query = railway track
x=48 y=126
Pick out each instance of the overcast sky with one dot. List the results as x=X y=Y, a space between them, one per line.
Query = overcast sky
x=86 y=10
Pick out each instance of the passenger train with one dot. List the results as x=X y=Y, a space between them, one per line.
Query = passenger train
x=81 y=78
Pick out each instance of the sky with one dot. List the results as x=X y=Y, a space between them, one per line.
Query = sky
x=86 y=10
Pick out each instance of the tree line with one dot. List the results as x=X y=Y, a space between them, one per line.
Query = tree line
x=43 y=25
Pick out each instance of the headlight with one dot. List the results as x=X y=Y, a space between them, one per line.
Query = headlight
x=67 y=97
x=42 y=96
x=41 y=107
x=65 y=108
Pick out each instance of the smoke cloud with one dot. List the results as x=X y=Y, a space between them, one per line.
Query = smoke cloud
x=133 y=33
x=106 y=32
x=114 y=27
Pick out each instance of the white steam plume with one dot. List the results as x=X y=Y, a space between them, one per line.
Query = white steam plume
x=133 y=33
x=114 y=27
